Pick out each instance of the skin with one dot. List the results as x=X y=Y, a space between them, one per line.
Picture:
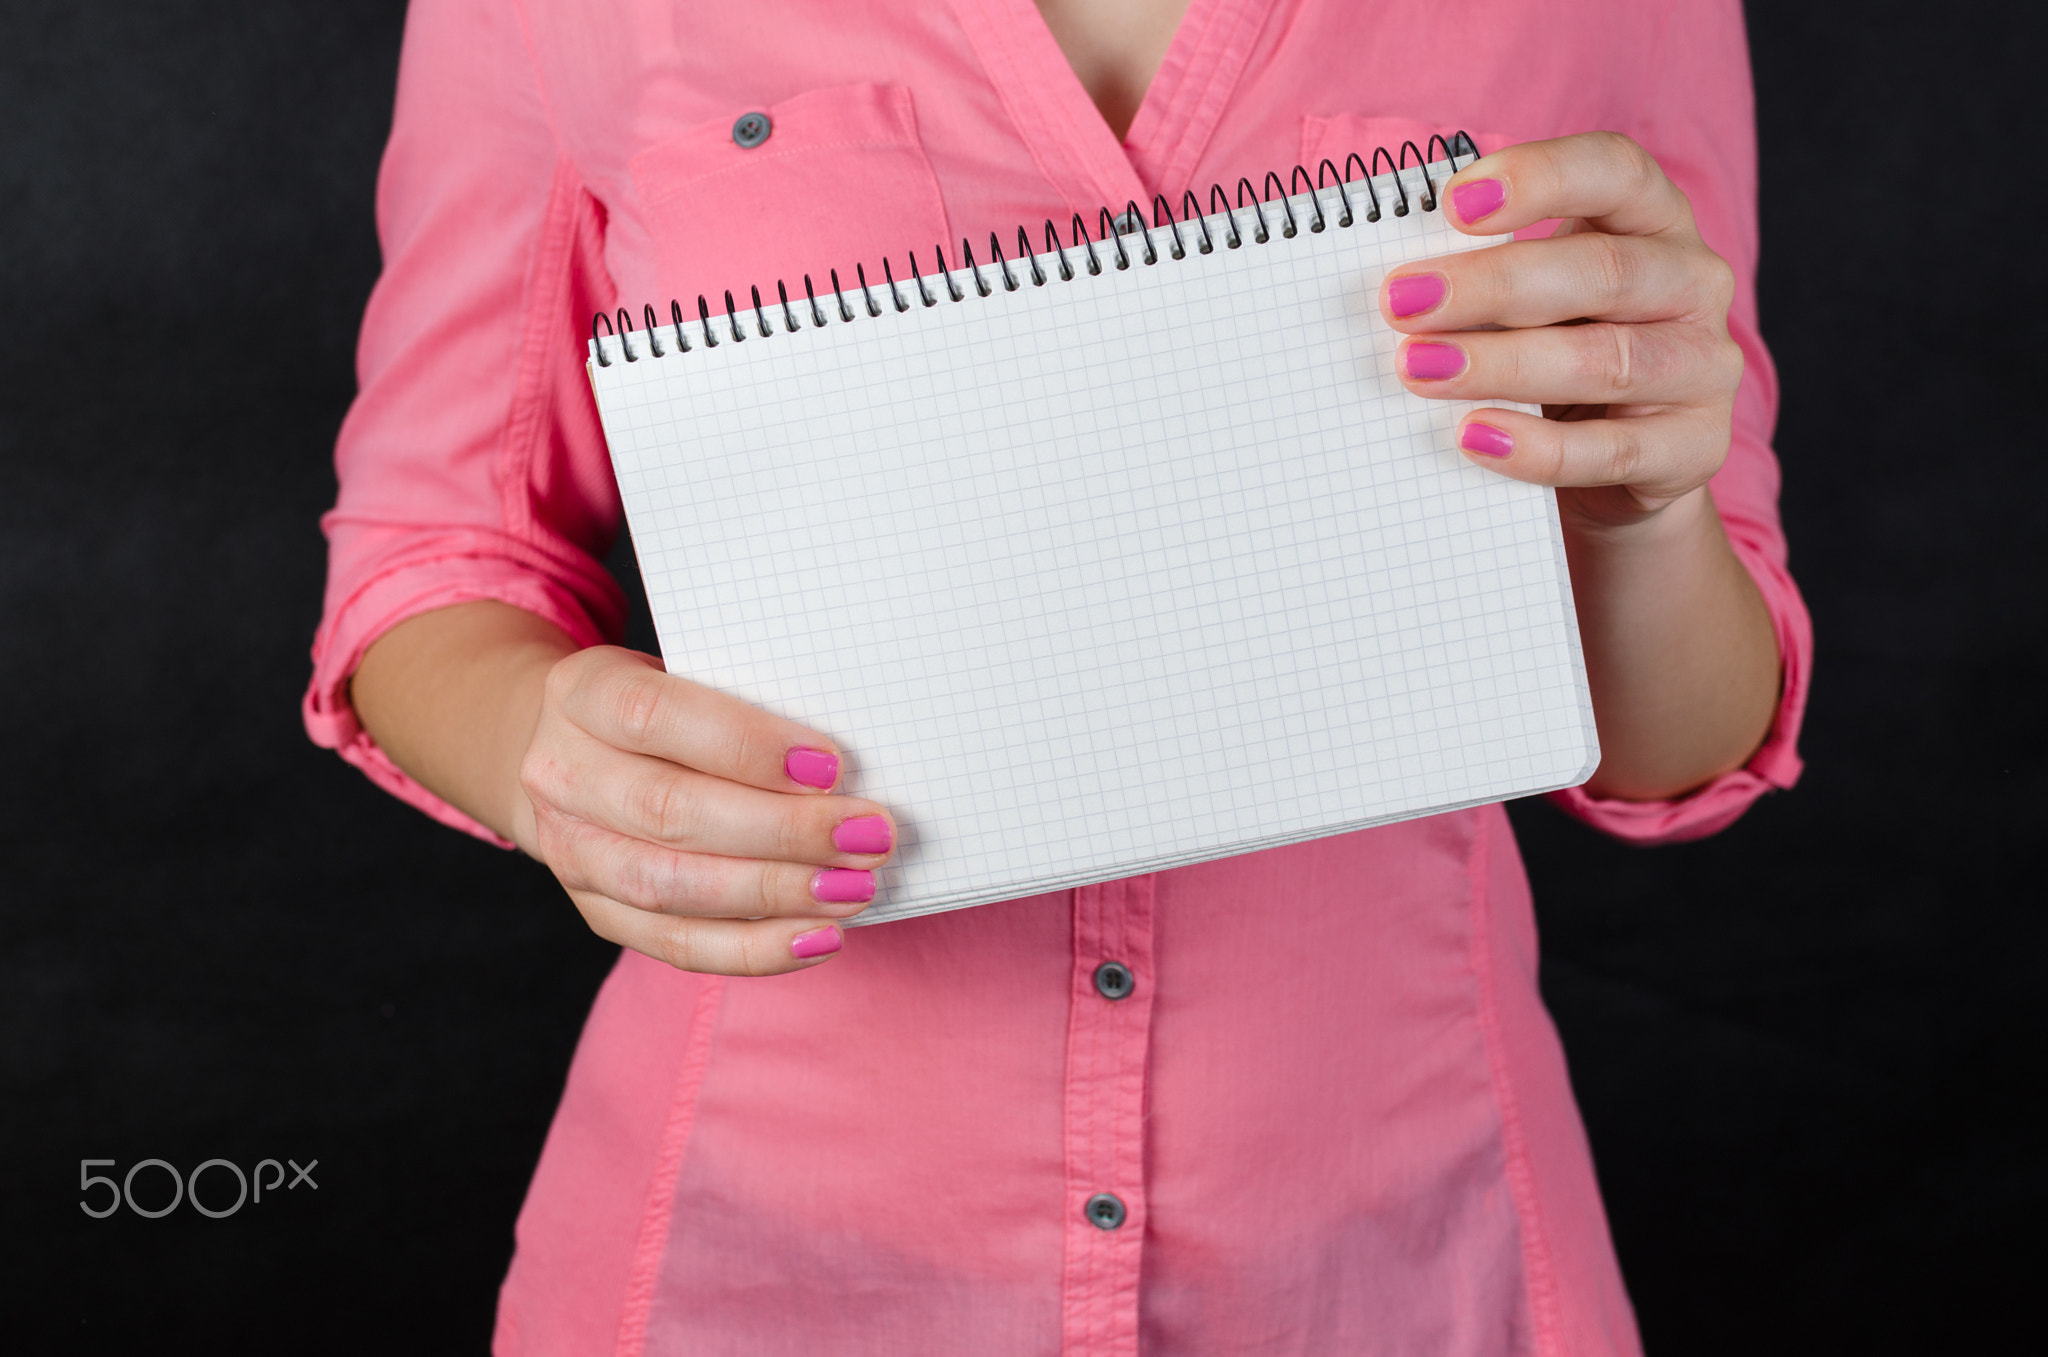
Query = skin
x=664 y=808
x=1115 y=47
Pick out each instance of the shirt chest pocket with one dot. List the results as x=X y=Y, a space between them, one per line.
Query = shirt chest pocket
x=827 y=180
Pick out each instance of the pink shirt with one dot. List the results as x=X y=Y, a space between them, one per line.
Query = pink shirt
x=1332 y=1107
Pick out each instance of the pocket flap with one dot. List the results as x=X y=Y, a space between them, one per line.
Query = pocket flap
x=841 y=179
x=818 y=122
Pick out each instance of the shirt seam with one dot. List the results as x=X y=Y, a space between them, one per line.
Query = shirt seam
x=468 y=551
x=540 y=84
x=651 y=1242
x=1139 y=901
x=1020 y=119
x=1540 y=1278
x=1228 y=58
x=1079 y=1302
x=526 y=421
x=676 y=187
x=547 y=276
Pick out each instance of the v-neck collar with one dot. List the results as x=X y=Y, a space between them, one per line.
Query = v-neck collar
x=1188 y=97
x=1070 y=143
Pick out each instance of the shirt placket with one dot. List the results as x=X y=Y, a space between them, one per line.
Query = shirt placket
x=1108 y=1041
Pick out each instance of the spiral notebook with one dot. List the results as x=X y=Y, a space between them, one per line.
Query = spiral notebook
x=1115 y=552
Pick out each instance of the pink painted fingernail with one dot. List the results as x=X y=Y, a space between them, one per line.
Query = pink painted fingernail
x=817 y=942
x=1415 y=294
x=863 y=834
x=1485 y=440
x=1478 y=199
x=1433 y=362
x=812 y=767
x=842 y=885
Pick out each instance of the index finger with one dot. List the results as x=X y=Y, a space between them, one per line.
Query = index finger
x=624 y=699
x=1604 y=178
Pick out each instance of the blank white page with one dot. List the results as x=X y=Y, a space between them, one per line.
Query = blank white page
x=1102 y=576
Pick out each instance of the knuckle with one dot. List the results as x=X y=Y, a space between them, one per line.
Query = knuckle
x=1609 y=359
x=649 y=878
x=1546 y=451
x=744 y=745
x=1554 y=158
x=1644 y=171
x=1714 y=451
x=794 y=833
x=1712 y=284
x=556 y=844
x=763 y=888
x=577 y=677
x=1659 y=360
x=1635 y=362
x=638 y=703
x=1488 y=278
x=1621 y=450
x=680 y=944
x=1637 y=167
x=1612 y=268
x=583 y=856
x=1617 y=144
x=1712 y=364
x=668 y=810
x=540 y=776
x=751 y=959
x=632 y=879
x=1729 y=363
x=1723 y=273
x=565 y=674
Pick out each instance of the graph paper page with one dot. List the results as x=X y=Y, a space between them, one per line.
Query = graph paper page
x=1101 y=576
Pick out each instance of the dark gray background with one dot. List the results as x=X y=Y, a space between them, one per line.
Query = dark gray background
x=1807 y=1050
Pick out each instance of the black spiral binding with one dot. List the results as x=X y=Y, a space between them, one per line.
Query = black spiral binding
x=1107 y=233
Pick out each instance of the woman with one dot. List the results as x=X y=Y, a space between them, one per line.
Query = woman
x=1326 y=1112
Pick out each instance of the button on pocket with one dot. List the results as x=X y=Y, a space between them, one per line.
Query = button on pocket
x=824 y=180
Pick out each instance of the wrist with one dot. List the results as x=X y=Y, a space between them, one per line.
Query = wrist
x=453 y=696
x=1680 y=651
x=1596 y=521
x=521 y=687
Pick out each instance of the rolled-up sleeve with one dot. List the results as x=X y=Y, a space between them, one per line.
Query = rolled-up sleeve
x=1702 y=129
x=471 y=464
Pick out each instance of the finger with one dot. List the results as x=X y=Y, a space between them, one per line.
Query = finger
x=712 y=946
x=1598 y=364
x=1658 y=457
x=648 y=876
x=643 y=797
x=1528 y=283
x=1602 y=177
x=625 y=700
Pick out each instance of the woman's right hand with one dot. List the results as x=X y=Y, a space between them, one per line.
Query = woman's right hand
x=690 y=826
x=684 y=823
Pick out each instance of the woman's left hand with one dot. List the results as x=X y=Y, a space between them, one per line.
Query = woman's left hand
x=1617 y=325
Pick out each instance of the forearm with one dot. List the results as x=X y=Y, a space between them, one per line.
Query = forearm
x=1680 y=651
x=452 y=696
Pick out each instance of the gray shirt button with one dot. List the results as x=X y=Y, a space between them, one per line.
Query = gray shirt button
x=1113 y=980
x=751 y=130
x=1104 y=1211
